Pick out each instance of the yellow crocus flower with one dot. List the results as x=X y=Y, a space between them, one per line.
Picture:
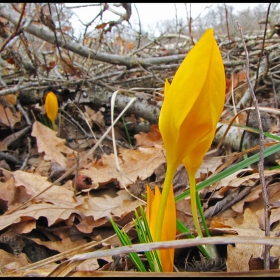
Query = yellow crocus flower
x=51 y=106
x=168 y=228
x=192 y=107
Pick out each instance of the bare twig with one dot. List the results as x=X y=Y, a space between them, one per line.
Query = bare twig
x=181 y=243
x=16 y=32
x=262 y=49
x=261 y=161
x=226 y=12
x=47 y=35
x=10 y=158
x=28 y=152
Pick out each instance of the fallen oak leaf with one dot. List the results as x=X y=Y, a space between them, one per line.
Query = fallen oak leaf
x=252 y=196
x=60 y=246
x=149 y=139
x=53 y=146
x=10 y=262
x=53 y=213
x=10 y=194
x=89 y=223
x=236 y=179
x=239 y=256
x=135 y=164
x=35 y=183
x=107 y=203
x=7 y=117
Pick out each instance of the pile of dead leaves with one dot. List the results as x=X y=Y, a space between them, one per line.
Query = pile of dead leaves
x=38 y=232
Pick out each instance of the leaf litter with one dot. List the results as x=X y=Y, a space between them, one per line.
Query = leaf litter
x=82 y=215
x=59 y=220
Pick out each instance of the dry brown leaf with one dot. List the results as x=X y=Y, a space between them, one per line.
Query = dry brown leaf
x=24 y=227
x=61 y=246
x=215 y=223
x=91 y=265
x=235 y=79
x=3 y=146
x=94 y=117
x=7 y=118
x=237 y=179
x=252 y=196
x=10 y=262
x=149 y=139
x=11 y=195
x=53 y=147
x=42 y=166
x=34 y=184
x=134 y=164
x=234 y=180
x=7 y=191
x=39 y=272
x=208 y=166
x=62 y=205
x=273 y=195
x=108 y=203
x=88 y=224
x=245 y=224
x=11 y=98
x=53 y=213
x=238 y=256
x=127 y=204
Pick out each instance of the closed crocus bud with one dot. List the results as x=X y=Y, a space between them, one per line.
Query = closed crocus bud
x=51 y=106
x=191 y=109
x=168 y=225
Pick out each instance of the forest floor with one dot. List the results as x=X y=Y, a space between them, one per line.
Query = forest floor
x=59 y=189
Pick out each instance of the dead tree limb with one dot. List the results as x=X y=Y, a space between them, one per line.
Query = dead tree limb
x=129 y=61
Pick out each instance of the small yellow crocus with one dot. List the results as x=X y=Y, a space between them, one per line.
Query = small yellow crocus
x=168 y=228
x=192 y=107
x=51 y=106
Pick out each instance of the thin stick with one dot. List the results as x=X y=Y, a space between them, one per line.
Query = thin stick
x=17 y=30
x=181 y=243
x=226 y=12
x=113 y=100
x=261 y=162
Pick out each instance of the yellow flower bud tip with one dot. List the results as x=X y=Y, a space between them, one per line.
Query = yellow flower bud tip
x=193 y=103
x=51 y=106
x=168 y=227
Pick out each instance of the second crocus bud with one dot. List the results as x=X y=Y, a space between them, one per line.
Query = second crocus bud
x=51 y=106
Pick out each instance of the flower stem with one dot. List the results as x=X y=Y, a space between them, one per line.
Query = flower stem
x=193 y=203
x=53 y=125
x=170 y=172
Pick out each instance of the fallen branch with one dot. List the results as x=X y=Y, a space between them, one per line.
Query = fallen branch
x=129 y=61
x=181 y=243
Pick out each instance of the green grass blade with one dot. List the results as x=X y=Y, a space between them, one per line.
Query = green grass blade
x=124 y=239
x=126 y=131
x=267 y=152
x=183 y=229
x=144 y=236
x=201 y=212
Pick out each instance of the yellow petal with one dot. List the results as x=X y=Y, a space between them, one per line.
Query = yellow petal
x=154 y=212
x=51 y=105
x=169 y=223
x=194 y=158
x=150 y=198
x=153 y=201
x=168 y=232
x=167 y=128
x=194 y=101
